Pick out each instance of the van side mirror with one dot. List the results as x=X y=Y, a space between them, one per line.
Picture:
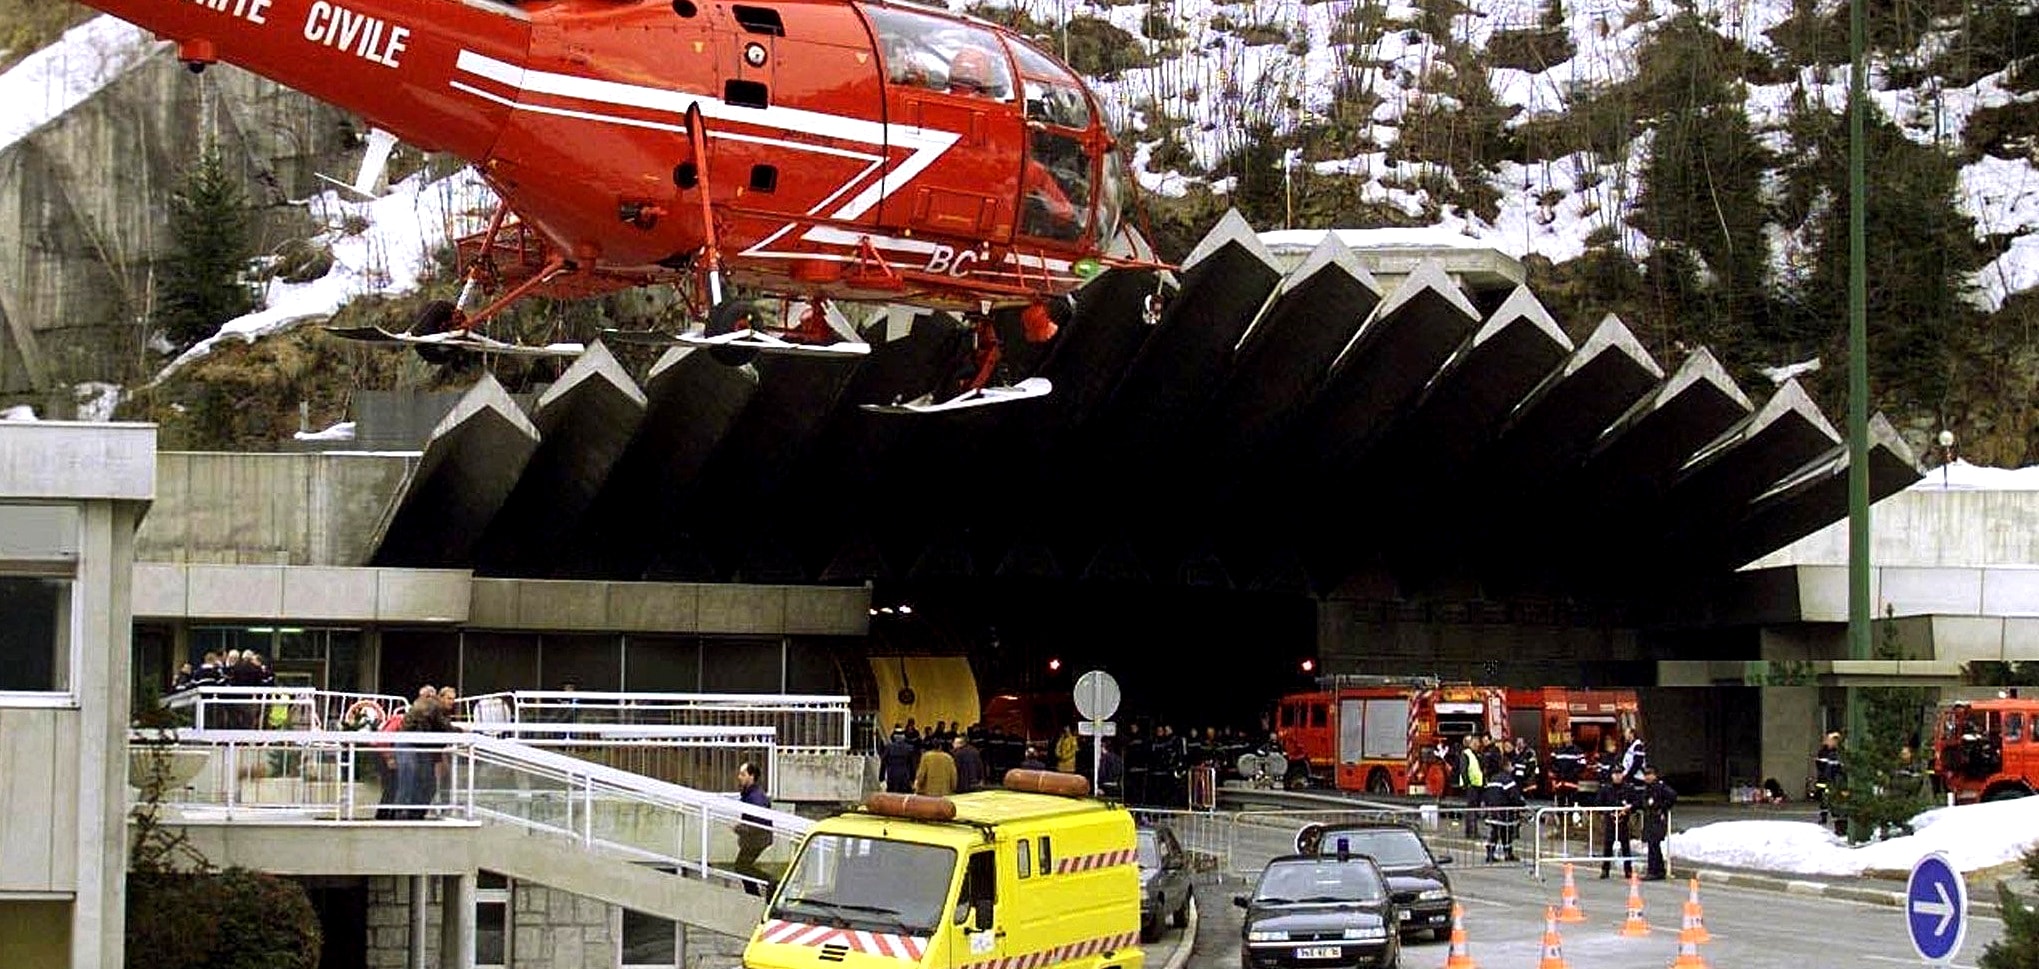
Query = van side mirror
x=1444 y=859
x=1239 y=900
x=980 y=916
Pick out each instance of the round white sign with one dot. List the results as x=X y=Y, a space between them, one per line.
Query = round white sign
x=1097 y=695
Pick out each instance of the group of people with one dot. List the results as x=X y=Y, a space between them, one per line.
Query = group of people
x=1497 y=776
x=410 y=774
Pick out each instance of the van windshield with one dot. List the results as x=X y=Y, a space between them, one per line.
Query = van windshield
x=868 y=883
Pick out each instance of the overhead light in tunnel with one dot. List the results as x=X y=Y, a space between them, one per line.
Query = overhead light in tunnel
x=906 y=610
x=1054 y=665
x=1309 y=665
x=885 y=609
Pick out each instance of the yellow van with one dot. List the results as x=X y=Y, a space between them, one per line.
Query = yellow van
x=1034 y=876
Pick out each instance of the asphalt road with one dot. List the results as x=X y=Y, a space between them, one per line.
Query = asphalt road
x=1504 y=922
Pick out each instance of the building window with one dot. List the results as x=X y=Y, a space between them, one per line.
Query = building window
x=38 y=558
x=35 y=634
x=648 y=940
x=491 y=921
x=324 y=659
x=661 y=664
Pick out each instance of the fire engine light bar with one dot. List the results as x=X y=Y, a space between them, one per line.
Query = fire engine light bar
x=1460 y=708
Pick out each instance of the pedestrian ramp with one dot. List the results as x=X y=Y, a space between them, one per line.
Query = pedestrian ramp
x=312 y=803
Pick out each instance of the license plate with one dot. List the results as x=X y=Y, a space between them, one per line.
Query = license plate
x=1407 y=915
x=1320 y=952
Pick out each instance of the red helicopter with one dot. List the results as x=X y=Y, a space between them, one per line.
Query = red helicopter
x=818 y=150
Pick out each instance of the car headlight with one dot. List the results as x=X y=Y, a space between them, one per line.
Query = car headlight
x=1434 y=895
x=1367 y=932
x=1267 y=935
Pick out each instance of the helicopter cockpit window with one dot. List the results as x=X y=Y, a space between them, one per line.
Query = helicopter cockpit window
x=941 y=55
x=1054 y=96
x=1111 y=196
x=1055 y=187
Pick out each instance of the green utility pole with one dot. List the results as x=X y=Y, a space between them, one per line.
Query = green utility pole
x=1858 y=370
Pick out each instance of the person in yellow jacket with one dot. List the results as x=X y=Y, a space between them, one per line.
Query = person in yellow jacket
x=1065 y=752
x=936 y=776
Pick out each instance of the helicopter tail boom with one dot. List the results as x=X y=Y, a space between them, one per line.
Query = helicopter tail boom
x=390 y=61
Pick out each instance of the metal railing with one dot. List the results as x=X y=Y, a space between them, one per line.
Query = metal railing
x=697 y=757
x=806 y=724
x=278 y=707
x=333 y=776
x=1243 y=842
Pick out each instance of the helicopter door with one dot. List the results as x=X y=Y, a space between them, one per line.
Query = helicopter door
x=748 y=80
x=952 y=79
x=1056 y=185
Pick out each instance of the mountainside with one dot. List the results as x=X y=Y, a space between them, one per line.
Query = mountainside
x=1679 y=164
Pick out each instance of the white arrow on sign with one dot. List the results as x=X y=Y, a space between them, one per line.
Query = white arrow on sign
x=1944 y=908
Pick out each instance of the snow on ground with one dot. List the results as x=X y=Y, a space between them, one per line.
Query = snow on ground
x=343 y=431
x=97 y=400
x=390 y=255
x=1972 y=836
x=1959 y=475
x=18 y=412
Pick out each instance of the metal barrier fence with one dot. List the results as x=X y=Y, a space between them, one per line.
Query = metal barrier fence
x=279 y=707
x=805 y=724
x=1243 y=842
x=310 y=776
x=698 y=757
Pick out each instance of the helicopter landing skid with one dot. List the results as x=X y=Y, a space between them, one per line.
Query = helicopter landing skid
x=746 y=339
x=983 y=396
x=455 y=340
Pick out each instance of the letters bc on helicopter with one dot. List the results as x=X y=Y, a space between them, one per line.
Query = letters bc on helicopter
x=817 y=150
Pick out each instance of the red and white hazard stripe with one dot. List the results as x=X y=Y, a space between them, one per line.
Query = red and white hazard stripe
x=884 y=945
x=1088 y=862
x=1059 y=954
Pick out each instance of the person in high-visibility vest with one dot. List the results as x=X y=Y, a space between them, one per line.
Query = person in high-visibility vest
x=1475 y=782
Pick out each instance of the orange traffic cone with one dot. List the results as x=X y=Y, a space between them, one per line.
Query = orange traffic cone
x=1568 y=900
x=1460 y=958
x=1635 y=927
x=1688 y=953
x=1553 y=947
x=1695 y=917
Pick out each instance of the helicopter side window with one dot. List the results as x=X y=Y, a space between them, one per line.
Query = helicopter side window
x=941 y=55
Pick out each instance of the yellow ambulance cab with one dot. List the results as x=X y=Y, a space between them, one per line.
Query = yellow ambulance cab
x=1035 y=875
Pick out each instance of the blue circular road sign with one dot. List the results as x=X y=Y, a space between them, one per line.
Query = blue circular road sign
x=1936 y=908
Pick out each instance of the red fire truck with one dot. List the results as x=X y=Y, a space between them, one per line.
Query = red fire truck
x=1985 y=749
x=1381 y=734
x=1550 y=715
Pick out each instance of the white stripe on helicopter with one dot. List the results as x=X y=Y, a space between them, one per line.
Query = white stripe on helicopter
x=926 y=144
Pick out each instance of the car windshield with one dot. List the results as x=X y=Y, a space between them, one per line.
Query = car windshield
x=1319 y=881
x=868 y=883
x=1150 y=849
x=1391 y=847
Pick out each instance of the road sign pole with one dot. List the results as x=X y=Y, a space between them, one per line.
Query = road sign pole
x=1096 y=756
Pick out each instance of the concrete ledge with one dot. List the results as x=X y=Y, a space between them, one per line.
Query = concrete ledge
x=67 y=461
x=164 y=590
x=1865 y=894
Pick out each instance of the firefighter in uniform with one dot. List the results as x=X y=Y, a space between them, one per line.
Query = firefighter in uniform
x=1474 y=777
x=1826 y=778
x=1567 y=767
x=1654 y=800
x=1526 y=768
x=1501 y=798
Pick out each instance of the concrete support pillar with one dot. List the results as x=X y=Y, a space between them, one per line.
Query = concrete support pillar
x=679 y=943
x=414 y=958
x=456 y=921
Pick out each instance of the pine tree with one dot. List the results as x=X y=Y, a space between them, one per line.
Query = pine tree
x=201 y=284
x=2018 y=948
x=1875 y=797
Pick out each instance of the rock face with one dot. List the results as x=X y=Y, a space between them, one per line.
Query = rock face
x=84 y=203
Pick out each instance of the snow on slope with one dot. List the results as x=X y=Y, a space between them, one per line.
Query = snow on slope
x=57 y=78
x=1973 y=836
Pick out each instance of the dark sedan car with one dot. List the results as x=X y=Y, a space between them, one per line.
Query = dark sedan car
x=1164 y=881
x=1417 y=883
x=1319 y=911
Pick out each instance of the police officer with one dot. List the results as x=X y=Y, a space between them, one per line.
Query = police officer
x=1653 y=802
x=1614 y=834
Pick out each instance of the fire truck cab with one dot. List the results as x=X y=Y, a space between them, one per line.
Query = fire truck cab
x=1985 y=750
x=1383 y=735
